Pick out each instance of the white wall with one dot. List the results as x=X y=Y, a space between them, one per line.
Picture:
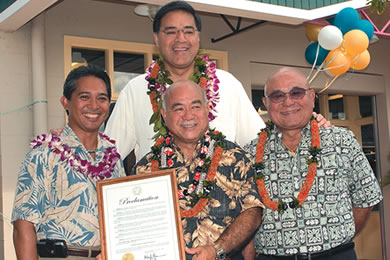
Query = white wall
x=15 y=127
x=268 y=43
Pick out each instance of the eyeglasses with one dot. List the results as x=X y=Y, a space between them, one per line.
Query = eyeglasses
x=295 y=94
x=172 y=32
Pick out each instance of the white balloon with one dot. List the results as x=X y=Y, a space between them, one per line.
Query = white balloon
x=330 y=37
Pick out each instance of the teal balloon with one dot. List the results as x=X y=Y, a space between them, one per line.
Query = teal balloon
x=366 y=27
x=347 y=19
x=311 y=53
x=331 y=20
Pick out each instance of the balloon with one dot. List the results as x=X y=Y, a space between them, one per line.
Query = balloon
x=328 y=73
x=311 y=53
x=331 y=20
x=347 y=19
x=356 y=41
x=360 y=61
x=330 y=37
x=312 y=30
x=367 y=27
x=337 y=61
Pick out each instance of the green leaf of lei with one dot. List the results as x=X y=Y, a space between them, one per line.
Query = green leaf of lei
x=153 y=118
x=157 y=125
x=163 y=130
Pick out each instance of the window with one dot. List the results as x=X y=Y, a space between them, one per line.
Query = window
x=257 y=102
x=336 y=107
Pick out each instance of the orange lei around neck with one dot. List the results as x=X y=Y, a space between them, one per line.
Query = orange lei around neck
x=311 y=172
x=210 y=177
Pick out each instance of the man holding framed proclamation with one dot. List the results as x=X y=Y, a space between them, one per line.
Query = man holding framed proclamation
x=219 y=204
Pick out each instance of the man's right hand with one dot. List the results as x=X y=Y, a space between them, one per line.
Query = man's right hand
x=56 y=131
x=202 y=252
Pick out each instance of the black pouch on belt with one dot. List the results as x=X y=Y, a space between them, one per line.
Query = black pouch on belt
x=52 y=248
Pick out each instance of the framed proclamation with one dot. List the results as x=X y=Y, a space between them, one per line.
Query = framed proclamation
x=139 y=217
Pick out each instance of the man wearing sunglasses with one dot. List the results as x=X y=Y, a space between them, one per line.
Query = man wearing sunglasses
x=316 y=183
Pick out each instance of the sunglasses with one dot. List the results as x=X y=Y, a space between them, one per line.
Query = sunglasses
x=296 y=93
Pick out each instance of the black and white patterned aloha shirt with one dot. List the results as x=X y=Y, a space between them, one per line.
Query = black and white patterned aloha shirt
x=234 y=192
x=344 y=180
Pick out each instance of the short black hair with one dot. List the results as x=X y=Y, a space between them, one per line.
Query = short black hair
x=174 y=6
x=85 y=71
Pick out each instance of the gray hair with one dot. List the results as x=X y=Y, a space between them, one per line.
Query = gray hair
x=178 y=83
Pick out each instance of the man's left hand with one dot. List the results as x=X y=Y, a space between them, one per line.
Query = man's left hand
x=202 y=252
x=322 y=122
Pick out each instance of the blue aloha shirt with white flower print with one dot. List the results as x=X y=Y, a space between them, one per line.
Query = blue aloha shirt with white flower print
x=60 y=201
x=344 y=180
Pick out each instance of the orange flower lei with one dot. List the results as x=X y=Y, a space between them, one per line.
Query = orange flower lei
x=212 y=170
x=312 y=168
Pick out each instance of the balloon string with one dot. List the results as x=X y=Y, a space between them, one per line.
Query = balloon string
x=315 y=74
x=315 y=61
x=22 y=107
x=331 y=60
x=338 y=66
x=327 y=85
x=355 y=60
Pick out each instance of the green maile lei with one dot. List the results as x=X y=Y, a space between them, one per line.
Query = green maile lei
x=158 y=78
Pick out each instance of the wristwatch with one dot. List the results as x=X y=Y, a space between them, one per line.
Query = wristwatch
x=221 y=255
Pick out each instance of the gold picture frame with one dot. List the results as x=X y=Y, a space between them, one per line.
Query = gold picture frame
x=139 y=217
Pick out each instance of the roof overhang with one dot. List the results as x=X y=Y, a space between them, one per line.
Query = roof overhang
x=263 y=11
x=22 y=11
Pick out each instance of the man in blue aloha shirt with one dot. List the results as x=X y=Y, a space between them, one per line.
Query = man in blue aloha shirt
x=312 y=212
x=56 y=193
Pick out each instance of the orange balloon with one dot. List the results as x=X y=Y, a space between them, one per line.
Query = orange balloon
x=337 y=61
x=360 y=61
x=312 y=30
x=356 y=41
